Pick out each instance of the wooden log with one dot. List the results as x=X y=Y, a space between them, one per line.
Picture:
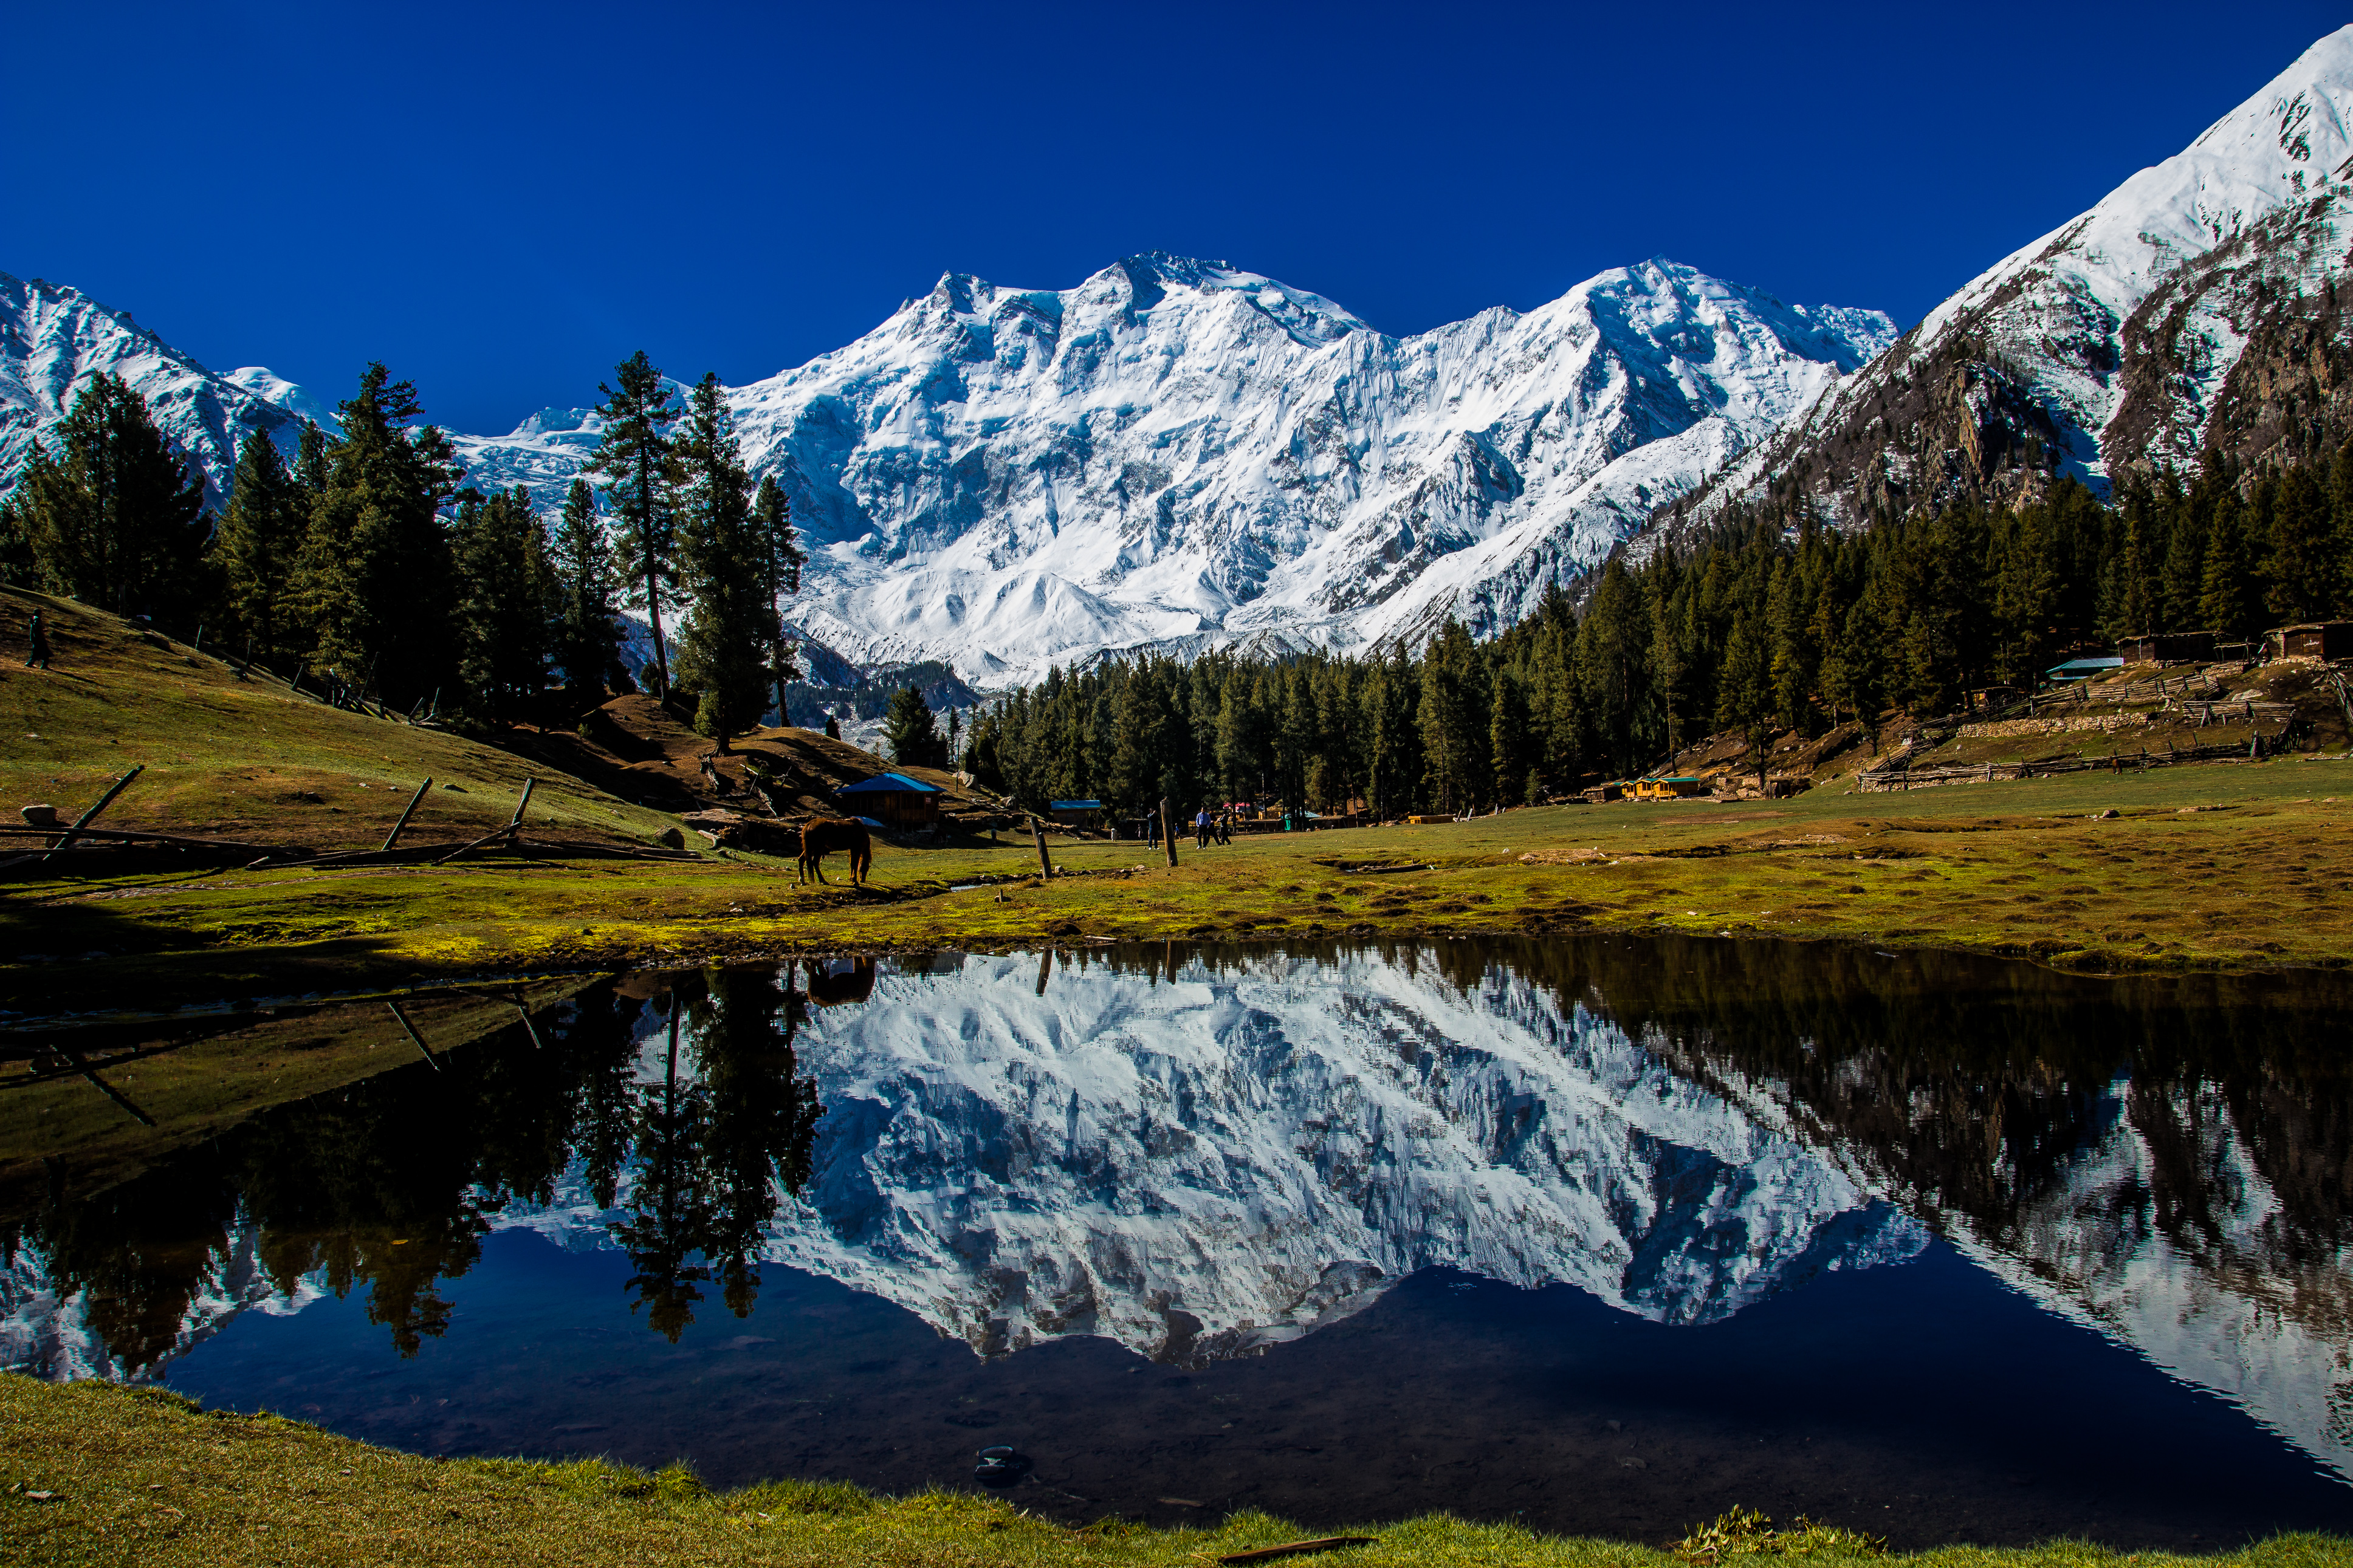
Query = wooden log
x=105 y=1087
x=410 y=1030
x=490 y=838
x=393 y=836
x=516 y=821
x=104 y=802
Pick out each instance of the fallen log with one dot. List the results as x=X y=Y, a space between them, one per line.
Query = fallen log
x=84 y=819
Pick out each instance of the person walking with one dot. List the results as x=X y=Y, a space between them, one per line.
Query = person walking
x=1224 y=827
x=39 y=658
x=1201 y=829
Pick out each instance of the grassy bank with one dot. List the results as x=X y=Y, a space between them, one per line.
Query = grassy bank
x=148 y=1479
x=2221 y=866
x=2227 y=868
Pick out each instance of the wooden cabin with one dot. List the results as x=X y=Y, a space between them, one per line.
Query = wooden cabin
x=894 y=800
x=2313 y=639
x=2168 y=647
x=1076 y=812
x=1683 y=786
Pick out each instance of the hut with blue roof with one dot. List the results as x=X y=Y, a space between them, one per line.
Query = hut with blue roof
x=894 y=800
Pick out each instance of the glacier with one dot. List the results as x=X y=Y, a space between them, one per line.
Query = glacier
x=1176 y=455
x=2110 y=337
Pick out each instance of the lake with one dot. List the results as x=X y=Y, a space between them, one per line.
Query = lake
x=1605 y=1235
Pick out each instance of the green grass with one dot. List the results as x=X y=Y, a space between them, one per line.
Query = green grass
x=146 y=1477
x=243 y=758
x=2218 y=867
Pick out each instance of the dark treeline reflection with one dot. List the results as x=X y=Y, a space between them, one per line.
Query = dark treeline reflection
x=388 y=1186
x=1974 y=1086
x=1971 y=1092
x=1959 y=1083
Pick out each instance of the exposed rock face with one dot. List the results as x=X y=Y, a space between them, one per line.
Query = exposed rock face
x=1181 y=455
x=2113 y=345
x=1175 y=454
x=54 y=339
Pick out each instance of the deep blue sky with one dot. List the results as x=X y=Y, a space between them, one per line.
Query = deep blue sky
x=501 y=201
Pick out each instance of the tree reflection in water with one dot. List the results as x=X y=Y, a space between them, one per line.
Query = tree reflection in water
x=388 y=1186
x=713 y=1147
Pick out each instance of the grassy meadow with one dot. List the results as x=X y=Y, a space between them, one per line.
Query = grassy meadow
x=94 y=1474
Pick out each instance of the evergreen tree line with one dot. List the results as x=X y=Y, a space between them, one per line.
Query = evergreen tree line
x=363 y=559
x=386 y=1187
x=1769 y=624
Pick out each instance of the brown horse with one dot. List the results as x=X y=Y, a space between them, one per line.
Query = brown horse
x=822 y=836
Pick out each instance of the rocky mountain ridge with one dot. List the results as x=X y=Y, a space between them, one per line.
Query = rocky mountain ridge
x=2191 y=308
x=1174 y=455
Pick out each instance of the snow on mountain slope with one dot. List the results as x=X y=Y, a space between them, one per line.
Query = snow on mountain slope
x=1174 y=454
x=1200 y=1166
x=1181 y=454
x=2104 y=343
x=54 y=339
x=46 y=1329
x=2157 y=1229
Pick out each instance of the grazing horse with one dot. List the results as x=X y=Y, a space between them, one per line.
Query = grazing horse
x=842 y=980
x=823 y=836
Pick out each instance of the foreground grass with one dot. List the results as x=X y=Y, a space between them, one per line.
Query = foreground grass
x=249 y=757
x=2212 y=868
x=146 y=1477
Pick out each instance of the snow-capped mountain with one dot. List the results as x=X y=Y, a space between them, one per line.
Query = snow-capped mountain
x=1175 y=454
x=54 y=339
x=2118 y=342
x=1202 y=1165
x=2167 y=1220
x=1199 y=1165
x=1178 y=454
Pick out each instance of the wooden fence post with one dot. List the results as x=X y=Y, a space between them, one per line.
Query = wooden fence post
x=85 y=819
x=405 y=816
x=1045 y=866
x=1167 y=835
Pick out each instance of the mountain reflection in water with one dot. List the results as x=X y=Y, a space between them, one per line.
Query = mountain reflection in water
x=1200 y=1153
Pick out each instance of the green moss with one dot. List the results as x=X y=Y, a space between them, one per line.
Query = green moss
x=135 y=1478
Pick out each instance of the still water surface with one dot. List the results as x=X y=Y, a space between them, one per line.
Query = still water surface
x=1604 y=1236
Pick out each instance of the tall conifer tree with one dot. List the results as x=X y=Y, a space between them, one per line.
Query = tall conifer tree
x=781 y=559
x=111 y=515
x=254 y=549
x=588 y=633
x=634 y=458
x=374 y=580
x=732 y=630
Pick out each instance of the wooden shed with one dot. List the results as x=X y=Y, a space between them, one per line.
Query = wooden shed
x=2168 y=647
x=1683 y=786
x=893 y=799
x=1075 y=812
x=2313 y=639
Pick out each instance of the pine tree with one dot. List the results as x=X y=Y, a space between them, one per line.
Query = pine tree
x=634 y=457
x=2226 y=589
x=588 y=635
x=509 y=605
x=1508 y=749
x=254 y=549
x=781 y=559
x=2302 y=565
x=111 y=516
x=1744 y=688
x=731 y=631
x=914 y=738
x=373 y=581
